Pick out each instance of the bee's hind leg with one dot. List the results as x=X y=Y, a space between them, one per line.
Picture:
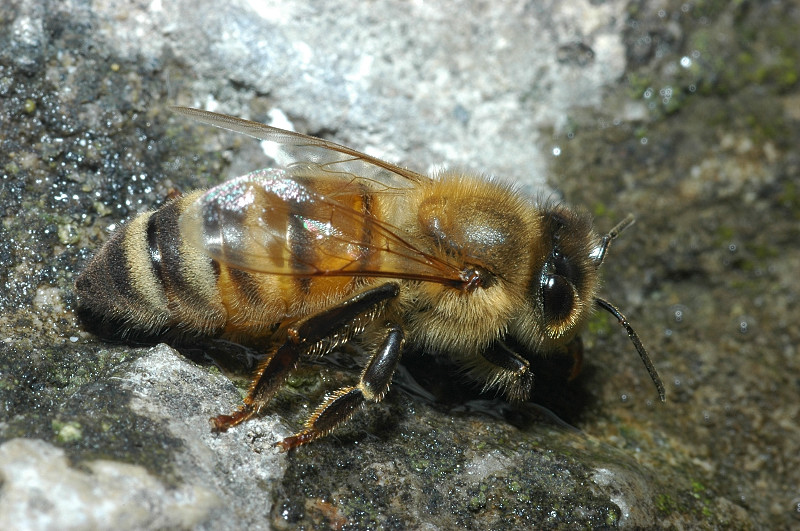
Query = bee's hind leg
x=340 y=405
x=305 y=336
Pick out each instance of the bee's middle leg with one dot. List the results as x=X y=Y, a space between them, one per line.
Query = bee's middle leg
x=340 y=405
x=270 y=376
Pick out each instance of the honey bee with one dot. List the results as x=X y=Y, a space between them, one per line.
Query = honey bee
x=337 y=245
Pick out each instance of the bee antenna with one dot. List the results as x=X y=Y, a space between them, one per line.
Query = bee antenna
x=610 y=308
x=599 y=253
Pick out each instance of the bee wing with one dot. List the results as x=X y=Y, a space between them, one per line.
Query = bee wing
x=311 y=152
x=271 y=221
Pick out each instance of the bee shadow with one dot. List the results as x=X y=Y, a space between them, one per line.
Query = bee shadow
x=237 y=359
x=555 y=397
x=435 y=380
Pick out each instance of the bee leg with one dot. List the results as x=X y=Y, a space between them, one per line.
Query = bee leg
x=340 y=405
x=575 y=349
x=270 y=375
x=512 y=372
x=302 y=337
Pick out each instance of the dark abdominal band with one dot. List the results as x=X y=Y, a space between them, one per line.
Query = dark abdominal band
x=155 y=251
x=163 y=244
x=117 y=268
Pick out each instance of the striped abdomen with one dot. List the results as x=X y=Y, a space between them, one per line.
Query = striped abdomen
x=148 y=278
x=234 y=260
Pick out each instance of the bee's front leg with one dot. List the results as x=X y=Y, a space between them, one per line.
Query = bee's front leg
x=340 y=405
x=512 y=372
x=575 y=350
x=333 y=326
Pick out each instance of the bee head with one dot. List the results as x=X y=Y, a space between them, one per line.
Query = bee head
x=565 y=287
x=569 y=280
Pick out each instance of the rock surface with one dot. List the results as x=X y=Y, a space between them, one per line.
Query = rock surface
x=685 y=114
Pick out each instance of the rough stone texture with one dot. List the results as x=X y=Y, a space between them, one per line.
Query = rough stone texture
x=43 y=491
x=685 y=114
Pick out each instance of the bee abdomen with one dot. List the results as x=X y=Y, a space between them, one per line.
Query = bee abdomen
x=150 y=279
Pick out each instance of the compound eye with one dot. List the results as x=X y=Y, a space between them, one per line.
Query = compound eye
x=557 y=297
x=563 y=266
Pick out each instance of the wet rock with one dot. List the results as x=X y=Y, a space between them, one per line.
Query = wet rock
x=683 y=114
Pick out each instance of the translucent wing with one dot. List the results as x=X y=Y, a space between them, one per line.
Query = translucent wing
x=270 y=221
x=315 y=154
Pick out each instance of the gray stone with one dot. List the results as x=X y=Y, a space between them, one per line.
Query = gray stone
x=684 y=114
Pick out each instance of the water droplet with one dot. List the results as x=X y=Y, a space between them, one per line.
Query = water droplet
x=745 y=324
x=679 y=312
